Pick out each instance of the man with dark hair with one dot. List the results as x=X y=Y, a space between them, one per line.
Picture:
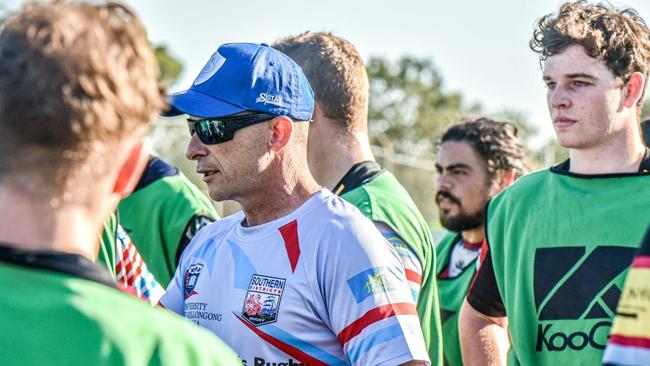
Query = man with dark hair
x=561 y=239
x=476 y=160
x=78 y=89
x=341 y=160
x=299 y=276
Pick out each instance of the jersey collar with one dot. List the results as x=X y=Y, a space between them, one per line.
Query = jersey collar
x=73 y=264
x=359 y=173
x=644 y=169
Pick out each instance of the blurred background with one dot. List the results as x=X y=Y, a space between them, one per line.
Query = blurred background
x=429 y=62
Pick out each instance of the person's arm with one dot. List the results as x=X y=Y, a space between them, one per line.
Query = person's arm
x=483 y=323
x=369 y=283
x=408 y=257
x=484 y=339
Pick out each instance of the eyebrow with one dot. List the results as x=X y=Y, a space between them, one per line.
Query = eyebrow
x=453 y=166
x=573 y=76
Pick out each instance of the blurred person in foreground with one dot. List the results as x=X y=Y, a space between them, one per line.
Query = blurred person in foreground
x=476 y=159
x=77 y=91
x=629 y=343
x=299 y=275
x=562 y=239
x=340 y=159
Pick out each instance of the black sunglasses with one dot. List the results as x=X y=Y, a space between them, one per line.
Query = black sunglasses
x=213 y=131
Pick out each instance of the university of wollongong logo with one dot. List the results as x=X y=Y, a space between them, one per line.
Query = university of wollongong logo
x=576 y=295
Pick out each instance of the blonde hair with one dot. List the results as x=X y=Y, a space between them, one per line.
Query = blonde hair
x=75 y=80
x=336 y=73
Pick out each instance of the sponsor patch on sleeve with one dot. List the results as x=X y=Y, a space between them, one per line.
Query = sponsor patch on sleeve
x=369 y=282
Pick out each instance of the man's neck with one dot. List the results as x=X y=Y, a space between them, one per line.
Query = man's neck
x=475 y=235
x=623 y=156
x=278 y=197
x=30 y=224
x=337 y=155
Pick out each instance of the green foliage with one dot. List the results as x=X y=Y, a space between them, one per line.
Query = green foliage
x=408 y=108
x=169 y=68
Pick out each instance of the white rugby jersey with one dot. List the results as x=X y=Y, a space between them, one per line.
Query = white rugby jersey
x=319 y=286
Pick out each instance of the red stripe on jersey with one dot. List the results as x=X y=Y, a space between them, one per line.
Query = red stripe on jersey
x=630 y=341
x=484 y=249
x=290 y=235
x=132 y=279
x=290 y=350
x=373 y=316
x=413 y=276
x=444 y=273
x=642 y=261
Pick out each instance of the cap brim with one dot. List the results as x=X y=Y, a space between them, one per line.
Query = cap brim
x=200 y=105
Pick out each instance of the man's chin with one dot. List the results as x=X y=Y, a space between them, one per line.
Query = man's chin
x=459 y=224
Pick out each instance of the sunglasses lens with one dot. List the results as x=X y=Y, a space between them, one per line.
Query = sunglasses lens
x=209 y=131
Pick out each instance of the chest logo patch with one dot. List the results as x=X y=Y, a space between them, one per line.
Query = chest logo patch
x=262 y=300
x=191 y=278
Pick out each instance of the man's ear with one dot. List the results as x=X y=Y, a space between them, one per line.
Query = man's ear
x=317 y=114
x=131 y=170
x=281 y=129
x=633 y=89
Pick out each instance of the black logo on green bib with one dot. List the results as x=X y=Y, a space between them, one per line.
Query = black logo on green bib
x=571 y=284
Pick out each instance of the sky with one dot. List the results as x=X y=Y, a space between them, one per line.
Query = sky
x=479 y=47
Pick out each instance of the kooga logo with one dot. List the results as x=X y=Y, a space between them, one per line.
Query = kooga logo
x=572 y=285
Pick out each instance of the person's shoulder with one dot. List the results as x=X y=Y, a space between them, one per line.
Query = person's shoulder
x=338 y=211
x=529 y=180
x=525 y=185
x=224 y=224
x=207 y=234
x=331 y=218
x=121 y=315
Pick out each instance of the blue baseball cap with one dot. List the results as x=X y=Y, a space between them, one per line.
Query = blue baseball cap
x=246 y=77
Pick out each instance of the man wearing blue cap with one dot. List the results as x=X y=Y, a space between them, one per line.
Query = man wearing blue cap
x=299 y=276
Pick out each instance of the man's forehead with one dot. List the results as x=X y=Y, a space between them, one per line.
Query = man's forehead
x=457 y=153
x=573 y=62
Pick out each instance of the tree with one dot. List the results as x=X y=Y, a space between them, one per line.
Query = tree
x=407 y=105
x=169 y=67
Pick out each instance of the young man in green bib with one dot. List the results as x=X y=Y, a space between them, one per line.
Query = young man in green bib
x=77 y=91
x=476 y=160
x=561 y=240
x=340 y=159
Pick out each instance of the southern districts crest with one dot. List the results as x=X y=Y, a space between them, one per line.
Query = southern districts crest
x=191 y=278
x=262 y=300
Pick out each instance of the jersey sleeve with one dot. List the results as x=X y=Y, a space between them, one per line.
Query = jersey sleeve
x=368 y=300
x=484 y=294
x=409 y=259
